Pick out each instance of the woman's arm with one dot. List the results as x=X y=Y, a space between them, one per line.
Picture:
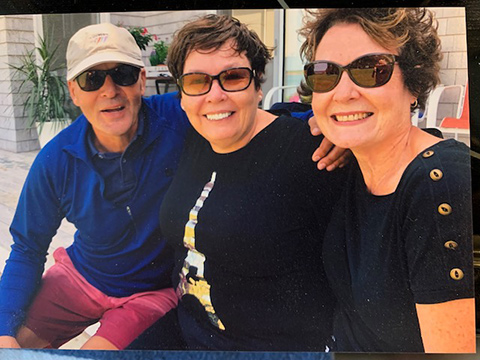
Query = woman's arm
x=8 y=342
x=438 y=243
x=448 y=327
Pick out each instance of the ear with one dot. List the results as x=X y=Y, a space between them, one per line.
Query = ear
x=260 y=95
x=73 y=89
x=143 y=80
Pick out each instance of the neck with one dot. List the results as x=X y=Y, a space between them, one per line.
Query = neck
x=262 y=120
x=107 y=142
x=114 y=143
x=383 y=165
x=111 y=146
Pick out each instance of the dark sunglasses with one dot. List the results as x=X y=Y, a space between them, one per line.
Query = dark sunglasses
x=368 y=71
x=123 y=75
x=231 y=80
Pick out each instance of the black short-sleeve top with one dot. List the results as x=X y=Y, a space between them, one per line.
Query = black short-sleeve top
x=384 y=254
x=247 y=228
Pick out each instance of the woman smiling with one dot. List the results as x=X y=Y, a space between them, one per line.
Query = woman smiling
x=247 y=210
x=398 y=252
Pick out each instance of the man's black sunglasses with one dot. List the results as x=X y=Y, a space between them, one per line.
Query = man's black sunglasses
x=123 y=75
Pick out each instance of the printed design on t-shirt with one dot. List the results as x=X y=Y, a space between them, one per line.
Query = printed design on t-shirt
x=192 y=281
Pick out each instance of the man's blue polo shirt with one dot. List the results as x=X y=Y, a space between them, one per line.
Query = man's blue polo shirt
x=118 y=246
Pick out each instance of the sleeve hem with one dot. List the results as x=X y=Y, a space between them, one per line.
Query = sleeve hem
x=435 y=297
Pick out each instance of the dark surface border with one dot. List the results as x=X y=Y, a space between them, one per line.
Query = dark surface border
x=473 y=43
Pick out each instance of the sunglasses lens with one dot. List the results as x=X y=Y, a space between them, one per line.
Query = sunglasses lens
x=235 y=79
x=123 y=75
x=368 y=72
x=195 y=84
x=372 y=70
x=91 y=80
x=322 y=76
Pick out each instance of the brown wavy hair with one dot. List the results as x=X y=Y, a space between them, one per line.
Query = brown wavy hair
x=413 y=31
x=210 y=33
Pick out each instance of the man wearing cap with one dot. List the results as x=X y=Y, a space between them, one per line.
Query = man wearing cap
x=107 y=174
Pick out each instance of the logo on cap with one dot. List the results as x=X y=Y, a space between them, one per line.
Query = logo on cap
x=100 y=38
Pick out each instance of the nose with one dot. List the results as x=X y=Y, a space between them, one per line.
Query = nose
x=109 y=88
x=216 y=92
x=346 y=89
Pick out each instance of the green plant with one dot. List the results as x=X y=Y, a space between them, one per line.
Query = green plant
x=142 y=36
x=47 y=98
x=159 y=53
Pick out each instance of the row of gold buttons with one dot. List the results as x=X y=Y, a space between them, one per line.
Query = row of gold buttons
x=444 y=209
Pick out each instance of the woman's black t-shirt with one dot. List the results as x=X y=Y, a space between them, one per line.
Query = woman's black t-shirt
x=384 y=254
x=247 y=228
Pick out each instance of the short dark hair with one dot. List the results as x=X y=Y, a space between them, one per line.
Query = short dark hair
x=210 y=33
x=413 y=31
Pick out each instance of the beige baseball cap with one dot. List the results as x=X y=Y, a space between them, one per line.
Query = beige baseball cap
x=98 y=44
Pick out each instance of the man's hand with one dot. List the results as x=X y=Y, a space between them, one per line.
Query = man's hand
x=8 y=342
x=328 y=155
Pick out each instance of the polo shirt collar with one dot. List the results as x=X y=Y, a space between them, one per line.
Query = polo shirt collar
x=79 y=146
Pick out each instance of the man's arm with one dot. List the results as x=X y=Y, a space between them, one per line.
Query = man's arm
x=327 y=155
x=35 y=222
x=168 y=106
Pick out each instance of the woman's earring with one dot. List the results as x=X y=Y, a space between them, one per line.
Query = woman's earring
x=414 y=105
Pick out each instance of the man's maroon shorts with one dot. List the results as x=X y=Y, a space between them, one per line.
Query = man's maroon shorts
x=67 y=304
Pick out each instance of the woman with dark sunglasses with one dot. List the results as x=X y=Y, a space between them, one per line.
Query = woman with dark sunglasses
x=243 y=211
x=398 y=252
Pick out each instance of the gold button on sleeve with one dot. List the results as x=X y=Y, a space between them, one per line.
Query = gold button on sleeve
x=436 y=174
x=452 y=245
x=444 y=209
x=428 y=153
x=456 y=274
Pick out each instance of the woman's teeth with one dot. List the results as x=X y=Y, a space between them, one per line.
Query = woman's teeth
x=352 y=117
x=218 y=116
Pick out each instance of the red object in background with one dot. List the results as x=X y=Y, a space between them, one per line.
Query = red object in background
x=461 y=123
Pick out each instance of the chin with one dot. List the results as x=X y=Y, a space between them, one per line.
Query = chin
x=345 y=142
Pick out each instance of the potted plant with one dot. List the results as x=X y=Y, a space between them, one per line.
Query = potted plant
x=47 y=103
x=142 y=36
x=159 y=53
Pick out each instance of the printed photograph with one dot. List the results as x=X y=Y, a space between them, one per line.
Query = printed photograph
x=271 y=183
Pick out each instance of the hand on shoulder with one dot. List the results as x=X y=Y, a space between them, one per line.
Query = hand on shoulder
x=328 y=156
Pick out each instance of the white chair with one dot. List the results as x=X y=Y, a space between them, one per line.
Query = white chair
x=268 y=97
x=431 y=110
x=459 y=124
x=415 y=117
